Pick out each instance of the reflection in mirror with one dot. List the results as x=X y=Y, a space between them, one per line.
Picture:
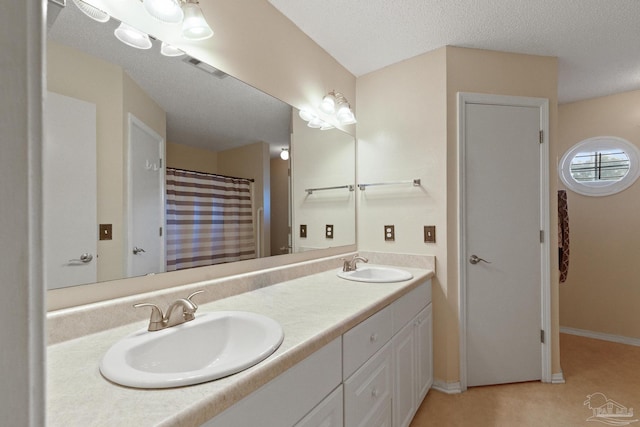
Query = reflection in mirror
x=189 y=116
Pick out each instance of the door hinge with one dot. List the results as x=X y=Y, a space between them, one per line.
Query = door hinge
x=541 y=236
x=160 y=162
x=160 y=231
x=541 y=136
x=542 y=336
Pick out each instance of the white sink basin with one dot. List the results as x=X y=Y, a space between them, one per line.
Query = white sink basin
x=375 y=274
x=212 y=346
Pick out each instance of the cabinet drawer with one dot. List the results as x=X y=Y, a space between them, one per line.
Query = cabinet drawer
x=328 y=413
x=363 y=340
x=368 y=390
x=406 y=307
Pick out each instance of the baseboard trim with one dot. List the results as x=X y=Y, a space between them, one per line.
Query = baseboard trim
x=557 y=378
x=448 y=388
x=601 y=336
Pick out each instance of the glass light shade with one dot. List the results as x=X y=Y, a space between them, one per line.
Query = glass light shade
x=306 y=115
x=194 y=26
x=315 y=123
x=326 y=126
x=328 y=104
x=92 y=11
x=345 y=115
x=284 y=155
x=168 y=50
x=132 y=37
x=164 y=10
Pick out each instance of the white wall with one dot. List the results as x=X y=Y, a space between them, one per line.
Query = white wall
x=22 y=387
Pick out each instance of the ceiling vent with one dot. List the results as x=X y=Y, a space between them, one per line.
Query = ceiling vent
x=205 y=67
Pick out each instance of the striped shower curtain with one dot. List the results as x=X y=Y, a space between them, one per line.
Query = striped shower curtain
x=209 y=219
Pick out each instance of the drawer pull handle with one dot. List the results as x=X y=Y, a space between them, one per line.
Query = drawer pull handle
x=373 y=337
x=374 y=393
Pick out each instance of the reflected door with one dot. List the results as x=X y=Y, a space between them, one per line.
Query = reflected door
x=69 y=191
x=144 y=250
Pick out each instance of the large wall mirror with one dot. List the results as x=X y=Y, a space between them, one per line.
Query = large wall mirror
x=114 y=108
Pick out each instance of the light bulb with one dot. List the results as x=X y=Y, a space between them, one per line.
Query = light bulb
x=284 y=155
x=328 y=104
x=194 y=26
x=306 y=115
x=164 y=10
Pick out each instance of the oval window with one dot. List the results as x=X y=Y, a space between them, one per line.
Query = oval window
x=600 y=166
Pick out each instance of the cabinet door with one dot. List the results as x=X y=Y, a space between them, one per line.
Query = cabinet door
x=424 y=341
x=404 y=375
x=328 y=413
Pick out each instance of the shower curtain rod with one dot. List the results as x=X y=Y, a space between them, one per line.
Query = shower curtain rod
x=212 y=174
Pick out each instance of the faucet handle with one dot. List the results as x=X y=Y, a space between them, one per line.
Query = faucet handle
x=192 y=295
x=157 y=318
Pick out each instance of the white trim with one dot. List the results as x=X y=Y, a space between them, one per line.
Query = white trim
x=601 y=336
x=558 y=378
x=545 y=247
x=448 y=388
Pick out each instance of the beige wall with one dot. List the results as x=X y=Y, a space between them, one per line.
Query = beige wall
x=279 y=206
x=252 y=161
x=601 y=293
x=408 y=129
x=76 y=74
x=191 y=158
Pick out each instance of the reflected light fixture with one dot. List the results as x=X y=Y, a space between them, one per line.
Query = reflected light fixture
x=334 y=104
x=132 y=37
x=284 y=155
x=92 y=11
x=167 y=50
x=169 y=11
x=194 y=26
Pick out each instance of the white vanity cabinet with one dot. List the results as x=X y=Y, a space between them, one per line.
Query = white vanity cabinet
x=412 y=355
x=375 y=375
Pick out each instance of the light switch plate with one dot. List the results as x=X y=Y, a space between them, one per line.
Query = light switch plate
x=303 y=231
x=389 y=233
x=328 y=231
x=105 y=232
x=429 y=233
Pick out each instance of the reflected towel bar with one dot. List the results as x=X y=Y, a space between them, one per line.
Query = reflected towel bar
x=414 y=182
x=311 y=190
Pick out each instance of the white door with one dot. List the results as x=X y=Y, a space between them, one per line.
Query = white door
x=502 y=256
x=144 y=250
x=70 y=227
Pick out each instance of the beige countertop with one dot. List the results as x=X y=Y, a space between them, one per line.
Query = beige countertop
x=313 y=310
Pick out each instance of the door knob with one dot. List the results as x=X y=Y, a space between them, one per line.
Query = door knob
x=137 y=250
x=474 y=259
x=86 y=258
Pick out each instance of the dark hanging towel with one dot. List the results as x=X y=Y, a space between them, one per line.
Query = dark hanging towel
x=563 y=234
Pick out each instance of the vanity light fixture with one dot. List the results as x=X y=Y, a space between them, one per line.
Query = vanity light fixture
x=334 y=104
x=194 y=25
x=92 y=11
x=284 y=155
x=169 y=11
x=132 y=37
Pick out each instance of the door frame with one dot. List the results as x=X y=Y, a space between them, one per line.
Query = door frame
x=134 y=121
x=465 y=99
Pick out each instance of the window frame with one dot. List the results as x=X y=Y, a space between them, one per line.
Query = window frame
x=600 y=188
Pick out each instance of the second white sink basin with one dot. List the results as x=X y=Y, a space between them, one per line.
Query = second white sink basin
x=212 y=346
x=376 y=274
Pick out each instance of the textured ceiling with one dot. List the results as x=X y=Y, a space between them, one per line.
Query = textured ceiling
x=597 y=42
x=202 y=110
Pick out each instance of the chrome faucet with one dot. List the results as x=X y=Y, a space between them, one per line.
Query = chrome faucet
x=351 y=265
x=159 y=321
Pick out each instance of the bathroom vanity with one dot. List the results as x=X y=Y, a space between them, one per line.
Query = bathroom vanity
x=354 y=354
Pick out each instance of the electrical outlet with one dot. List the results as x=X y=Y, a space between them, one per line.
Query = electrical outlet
x=328 y=231
x=389 y=233
x=429 y=233
x=303 y=231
